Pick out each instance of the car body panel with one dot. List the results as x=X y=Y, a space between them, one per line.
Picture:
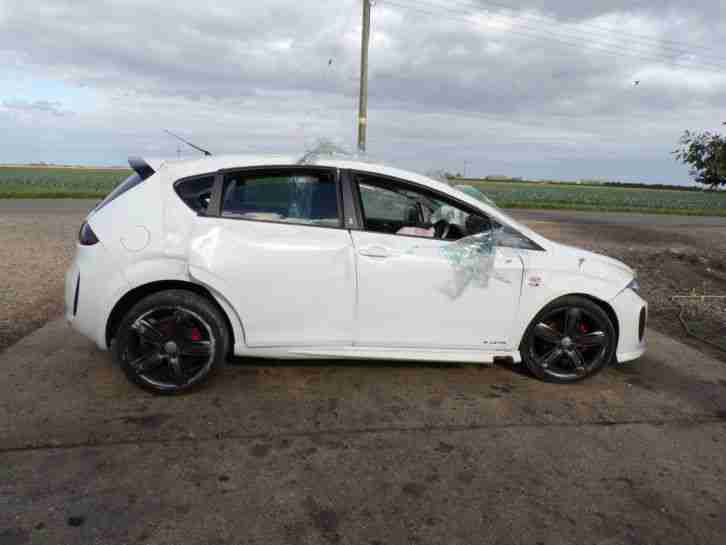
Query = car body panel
x=293 y=285
x=630 y=346
x=305 y=291
x=411 y=295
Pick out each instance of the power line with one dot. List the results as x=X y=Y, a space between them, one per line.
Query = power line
x=683 y=47
x=559 y=33
x=557 y=37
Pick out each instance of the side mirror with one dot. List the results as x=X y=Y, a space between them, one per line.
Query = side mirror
x=476 y=224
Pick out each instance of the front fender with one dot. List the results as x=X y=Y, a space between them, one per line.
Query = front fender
x=541 y=287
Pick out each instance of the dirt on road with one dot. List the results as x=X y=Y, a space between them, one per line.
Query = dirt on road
x=37 y=241
x=360 y=453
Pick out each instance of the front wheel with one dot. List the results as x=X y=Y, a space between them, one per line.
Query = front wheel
x=571 y=339
x=171 y=342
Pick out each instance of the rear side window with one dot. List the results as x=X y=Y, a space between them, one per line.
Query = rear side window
x=129 y=183
x=195 y=192
x=302 y=198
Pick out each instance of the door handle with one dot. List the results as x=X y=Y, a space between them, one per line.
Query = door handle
x=375 y=251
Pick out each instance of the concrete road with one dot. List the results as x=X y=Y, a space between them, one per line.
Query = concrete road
x=363 y=453
x=46 y=206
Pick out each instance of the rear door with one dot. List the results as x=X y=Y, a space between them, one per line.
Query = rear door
x=274 y=245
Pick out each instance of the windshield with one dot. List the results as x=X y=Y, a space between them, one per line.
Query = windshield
x=476 y=193
x=505 y=235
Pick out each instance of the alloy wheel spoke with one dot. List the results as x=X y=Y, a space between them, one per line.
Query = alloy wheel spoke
x=147 y=331
x=573 y=318
x=146 y=363
x=577 y=361
x=595 y=338
x=551 y=357
x=196 y=349
x=546 y=333
x=176 y=369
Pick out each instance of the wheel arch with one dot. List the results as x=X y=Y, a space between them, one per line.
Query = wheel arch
x=133 y=296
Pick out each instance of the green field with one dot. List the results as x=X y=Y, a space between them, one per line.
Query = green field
x=58 y=182
x=67 y=182
x=605 y=198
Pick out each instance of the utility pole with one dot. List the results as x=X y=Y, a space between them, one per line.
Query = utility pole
x=363 y=100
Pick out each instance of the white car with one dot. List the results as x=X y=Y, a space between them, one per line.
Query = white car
x=189 y=262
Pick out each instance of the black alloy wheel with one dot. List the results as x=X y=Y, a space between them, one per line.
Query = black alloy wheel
x=171 y=341
x=571 y=339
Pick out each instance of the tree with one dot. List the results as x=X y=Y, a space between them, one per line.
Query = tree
x=705 y=153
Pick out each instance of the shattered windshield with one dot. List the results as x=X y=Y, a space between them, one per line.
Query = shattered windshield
x=472 y=191
x=504 y=234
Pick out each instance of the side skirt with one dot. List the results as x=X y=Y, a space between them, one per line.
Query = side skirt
x=377 y=353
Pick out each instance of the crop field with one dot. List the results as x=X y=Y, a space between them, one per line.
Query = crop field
x=604 y=198
x=77 y=182
x=54 y=182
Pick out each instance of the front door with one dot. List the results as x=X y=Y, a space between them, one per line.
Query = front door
x=276 y=249
x=429 y=274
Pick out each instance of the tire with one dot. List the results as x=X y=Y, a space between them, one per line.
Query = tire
x=171 y=342
x=569 y=340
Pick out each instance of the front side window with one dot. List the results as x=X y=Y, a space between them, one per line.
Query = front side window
x=302 y=198
x=399 y=210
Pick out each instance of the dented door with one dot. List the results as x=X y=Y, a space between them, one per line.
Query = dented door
x=291 y=285
x=417 y=292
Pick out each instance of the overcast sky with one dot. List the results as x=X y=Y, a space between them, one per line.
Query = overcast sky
x=534 y=88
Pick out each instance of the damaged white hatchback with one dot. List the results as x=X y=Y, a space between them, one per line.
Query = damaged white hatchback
x=187 y=263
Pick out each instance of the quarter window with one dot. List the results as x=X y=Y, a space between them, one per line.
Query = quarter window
x=196 y=192
x=302 y=198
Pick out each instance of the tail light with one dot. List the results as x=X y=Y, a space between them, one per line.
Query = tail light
x=86 y=236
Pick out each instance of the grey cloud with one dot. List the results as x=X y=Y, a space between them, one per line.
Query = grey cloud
x=578 y=9
x=257 y=76
x=37 y=106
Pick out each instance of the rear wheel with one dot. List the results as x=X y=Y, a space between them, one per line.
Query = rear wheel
x=171 y=342
x=569 y=340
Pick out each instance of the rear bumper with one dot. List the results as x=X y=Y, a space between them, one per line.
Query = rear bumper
x=90 y=286
x=632 y=313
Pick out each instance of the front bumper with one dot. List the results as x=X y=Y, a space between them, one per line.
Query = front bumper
x=632 y=313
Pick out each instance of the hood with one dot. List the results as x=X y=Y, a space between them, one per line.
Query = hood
x=596 y=265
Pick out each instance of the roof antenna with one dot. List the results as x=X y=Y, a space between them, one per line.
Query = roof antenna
x=205 y=152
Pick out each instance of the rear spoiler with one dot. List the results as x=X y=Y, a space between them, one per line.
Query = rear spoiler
x=141 y=167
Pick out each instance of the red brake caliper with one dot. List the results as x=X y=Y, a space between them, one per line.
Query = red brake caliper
x=196 y=335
